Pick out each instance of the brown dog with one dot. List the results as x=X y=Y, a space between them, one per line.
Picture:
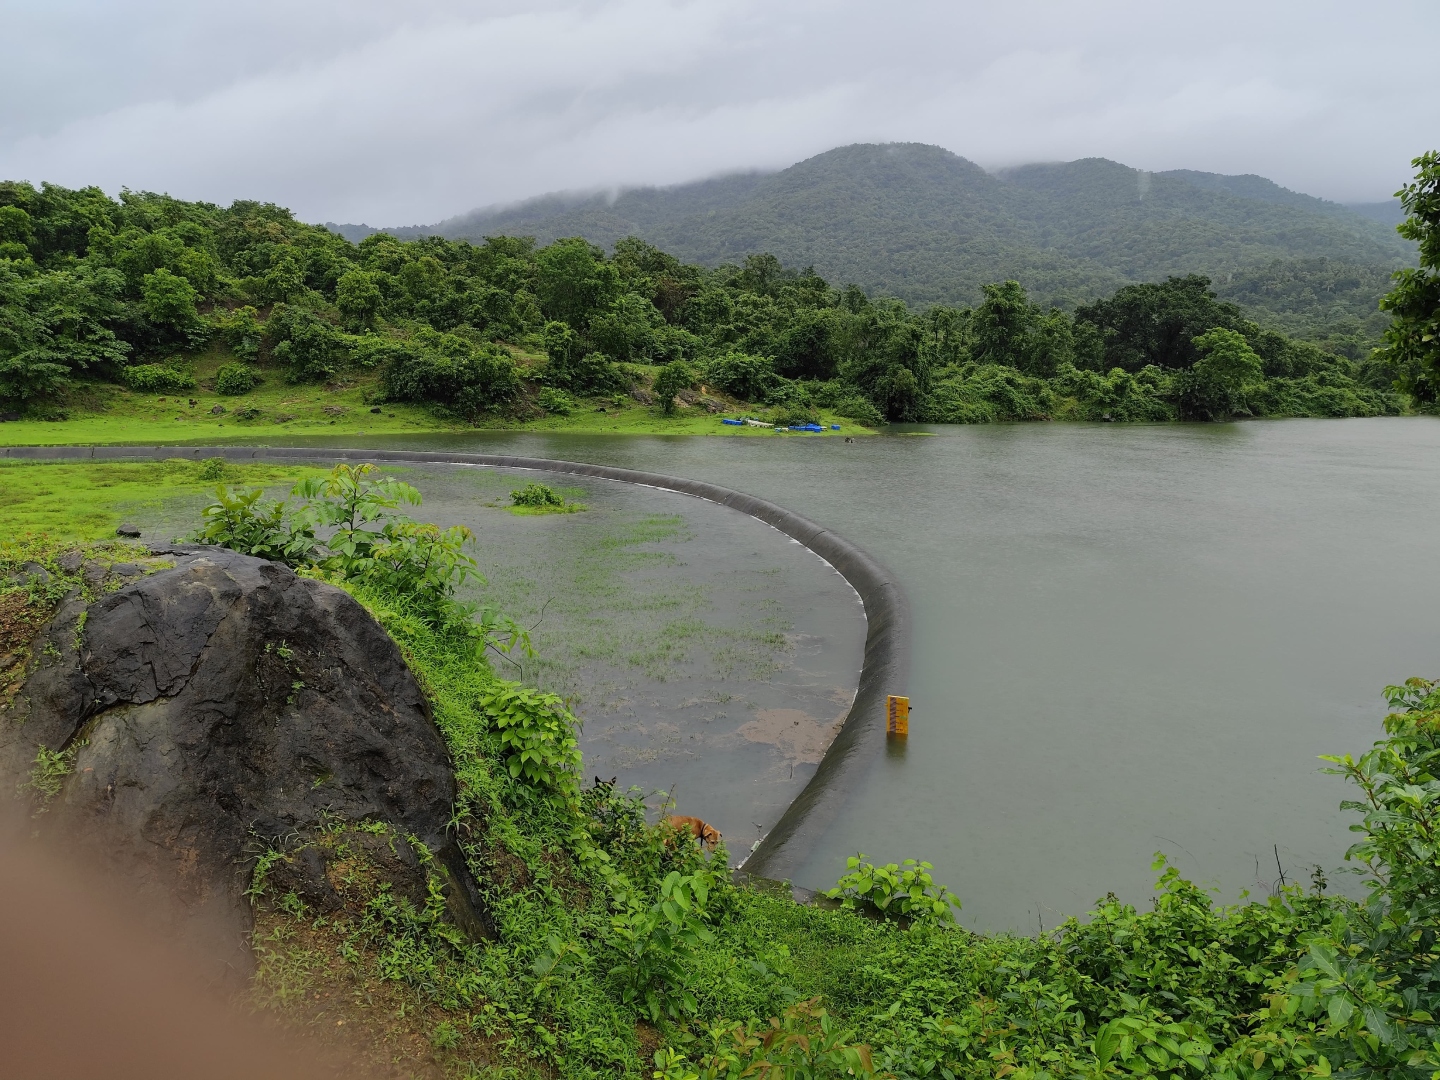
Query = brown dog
x=693 y=827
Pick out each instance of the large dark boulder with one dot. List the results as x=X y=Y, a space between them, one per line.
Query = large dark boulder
x=214 y=710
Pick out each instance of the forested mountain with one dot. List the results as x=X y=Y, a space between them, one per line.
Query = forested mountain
x=928 y=226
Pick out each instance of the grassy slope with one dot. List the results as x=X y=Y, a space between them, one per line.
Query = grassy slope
x=100 y=414
x=80 y=502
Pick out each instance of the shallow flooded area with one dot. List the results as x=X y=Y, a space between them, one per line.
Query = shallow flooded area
x=709 y=657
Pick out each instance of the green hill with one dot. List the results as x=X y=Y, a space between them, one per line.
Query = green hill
x=926 y=225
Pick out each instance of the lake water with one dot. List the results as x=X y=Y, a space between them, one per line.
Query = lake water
x=1128 y=639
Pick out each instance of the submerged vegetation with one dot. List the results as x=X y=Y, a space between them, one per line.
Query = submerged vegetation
x=537 y=498
x=167 y=297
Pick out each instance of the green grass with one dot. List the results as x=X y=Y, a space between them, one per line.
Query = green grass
x=79 y=502
x=101 y=413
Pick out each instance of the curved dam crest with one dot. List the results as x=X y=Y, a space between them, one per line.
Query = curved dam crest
x=858 y=744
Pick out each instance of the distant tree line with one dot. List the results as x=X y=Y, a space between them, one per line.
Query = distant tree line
x=128 y=290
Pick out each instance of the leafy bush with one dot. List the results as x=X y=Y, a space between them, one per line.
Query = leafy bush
x=241 y=330
x=673 y=377
x=244 y=521
x=906 y=890
x=305 y=342
x=795 y=414
x=986 y=393
x=448 y=370
x=556 y=401
x=1372 y=977
x=859 y=409
x=652 y=943
x=415 y=562
x=741 y=375
x=157 y=379
x=537 y=733
x=1118 y=395
x=574 y=366
x=534 y=494
x=234 y=379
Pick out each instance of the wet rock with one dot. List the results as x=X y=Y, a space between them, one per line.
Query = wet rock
x=127 y=529
x=218 y=708
x=32 y=573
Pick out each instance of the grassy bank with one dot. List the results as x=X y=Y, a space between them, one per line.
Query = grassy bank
x=102 y=413
x=83 y=501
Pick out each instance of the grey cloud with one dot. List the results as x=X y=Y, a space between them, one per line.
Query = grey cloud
x=396 y=114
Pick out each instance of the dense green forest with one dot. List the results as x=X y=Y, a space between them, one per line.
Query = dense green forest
x=919 y=223
x=130 y=290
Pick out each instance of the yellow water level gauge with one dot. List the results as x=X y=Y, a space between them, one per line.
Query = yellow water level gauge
x=897 y=716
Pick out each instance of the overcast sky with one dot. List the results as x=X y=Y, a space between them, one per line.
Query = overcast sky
x=401 y=113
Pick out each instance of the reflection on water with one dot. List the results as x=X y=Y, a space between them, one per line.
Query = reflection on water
x=1128 y=639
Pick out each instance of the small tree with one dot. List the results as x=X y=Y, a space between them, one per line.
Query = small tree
x=358 y=298
x=674 y=377
x=1217 y=386
x=169 y=300
x=1412 y=342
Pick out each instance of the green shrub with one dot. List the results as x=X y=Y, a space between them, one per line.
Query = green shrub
x=859 y=409
x=157 y=379
x=537 y=495
x=448 y=370
x=1118 y=395
x=673 y=377
x=233 y=379
x=906 y=890
x=574 y=366
x=795 y=415
x=241 y=330
x=986 y=393
x=653 y=942
x=244 y=521
x=369 y=545
x=741 y=375
x=556 y=401
x=305 y=342
x=537 y=733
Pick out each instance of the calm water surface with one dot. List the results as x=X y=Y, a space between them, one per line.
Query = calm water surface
x=1129 y=639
